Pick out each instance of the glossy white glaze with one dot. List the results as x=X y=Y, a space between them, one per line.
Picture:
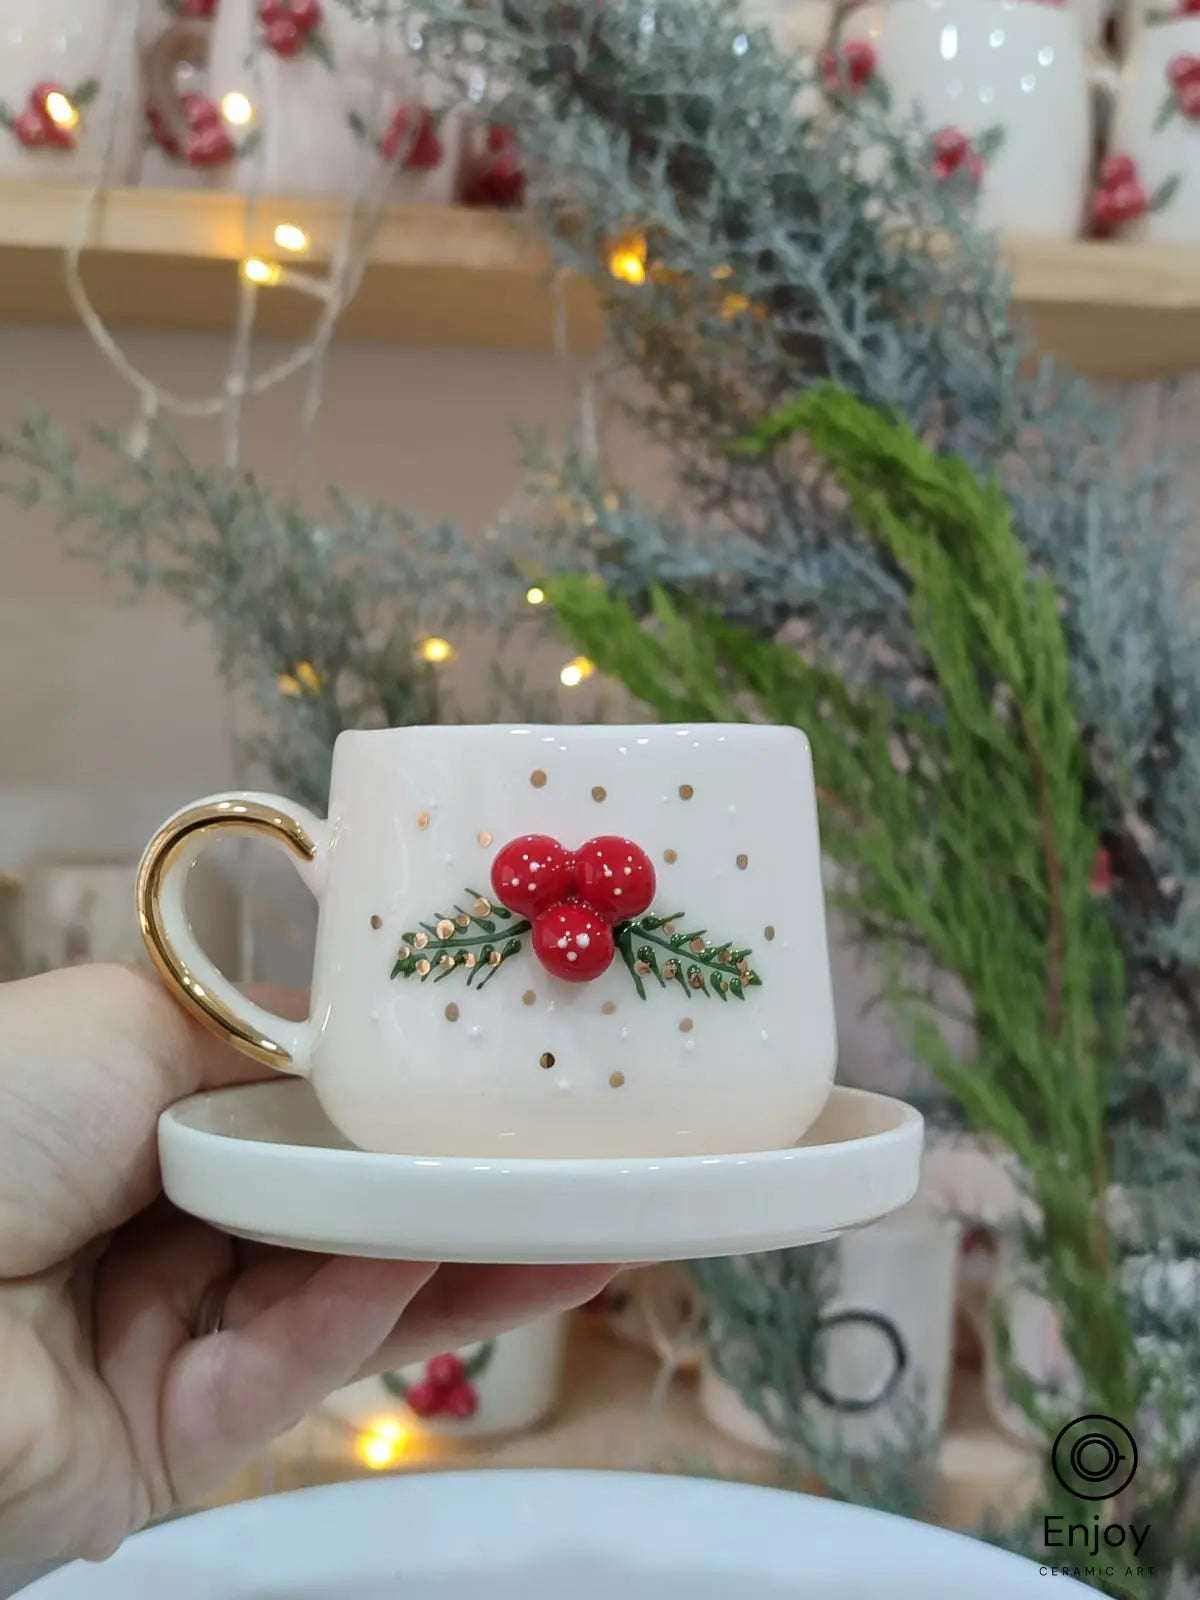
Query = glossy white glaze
x=1161 y=154
x=417 y=816
x=519 y=1535
x=304 y=106
x=71 y=43
x=263 y=1162
x=977 y=65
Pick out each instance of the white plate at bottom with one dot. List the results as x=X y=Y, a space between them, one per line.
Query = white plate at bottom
x=507 y=1535
x=262 y=1162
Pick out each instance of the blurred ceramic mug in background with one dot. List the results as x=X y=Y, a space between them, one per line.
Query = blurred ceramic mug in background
x=1005 y=89
x=69 y=95
x=1149 y=183
x=309 y=98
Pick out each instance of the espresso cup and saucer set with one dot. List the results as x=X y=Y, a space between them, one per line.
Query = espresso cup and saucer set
x=571 y=1002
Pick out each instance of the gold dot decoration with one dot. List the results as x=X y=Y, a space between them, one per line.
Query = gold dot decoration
x=697 y=945
x=447 y=962
x=617 y=1081
x=538 y=779
x=599 y=793
x=470 y=959
x=547 y=1060
x=463 y=920
x=483 y=908
x=423 y=819
x=421 y=940
x=424 y=968
x=529 y=998
x=452 y=1013
x=495 y=959
x=609 y=1007
x=686 y=1025
x=742 y=863
x=641 y=968
x=377 y=923
x=671 y=971
x=670 y=857
x=686 y=791
x=403 y=953
x=445 y=928
x=769 y=932
x=484 y=839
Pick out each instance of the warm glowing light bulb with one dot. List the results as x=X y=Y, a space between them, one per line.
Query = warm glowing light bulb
x=437 y=650
x=60 y=110
x=236 y=108
x=289 y=237
x=575 y=672
x=627 y=259
x=256 y=271
x=382 y=1444
x=535 y=596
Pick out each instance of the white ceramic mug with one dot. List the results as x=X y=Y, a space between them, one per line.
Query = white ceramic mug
x=1005 y=88
x=446 y=1022
x=884 y=1344
x=1149 y=184
x=321 y=100
x=504 y=1385
x=68 y=92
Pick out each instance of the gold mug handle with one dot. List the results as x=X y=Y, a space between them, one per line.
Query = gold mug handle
x=191 y=976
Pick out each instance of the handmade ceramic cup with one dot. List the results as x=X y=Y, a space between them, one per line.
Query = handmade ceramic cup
x=541 y=941
x=1149 y=184
x=68 y=92
x=313 y=100
x=878 y=1368
x=1004 y=88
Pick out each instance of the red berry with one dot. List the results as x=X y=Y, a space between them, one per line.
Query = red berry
x=504 y=182
x=950 y=149
x=532 y=873
x=1188 y=95
x=1117 y=170
x=1105 y=216
x=41 y=92
x=1101 y=876
x=500 y=139
x=201 y=112
x=283 y=36
x=573 y=942
x=1130 y=201
x=1188 y=8
x=306 y=14
x=444 y=1372
x=462 y=1401
x=425 y=1399
x=426 y=152
x=198 y=8
x=1183 y=69
x=860 y=59
x=208 y=147
x=975 y=166
x=614 y=877
x=424 y=148
x=31 y=129
x=270 y=11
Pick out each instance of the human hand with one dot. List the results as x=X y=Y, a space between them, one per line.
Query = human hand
x=116 y=1403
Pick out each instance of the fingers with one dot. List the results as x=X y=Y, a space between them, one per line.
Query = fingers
x=461 y=1305
x=226 y=1397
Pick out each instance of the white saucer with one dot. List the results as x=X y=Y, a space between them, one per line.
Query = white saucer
x=540 y=1535
x=261 y=1161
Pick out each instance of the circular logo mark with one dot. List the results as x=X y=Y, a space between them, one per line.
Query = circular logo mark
x=1094 y=1457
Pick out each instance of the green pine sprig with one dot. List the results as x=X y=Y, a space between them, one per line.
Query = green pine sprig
x=691 y=959
x=477 y=942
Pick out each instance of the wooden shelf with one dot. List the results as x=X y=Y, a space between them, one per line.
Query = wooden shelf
x=606 y=1422
x=452 y=276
